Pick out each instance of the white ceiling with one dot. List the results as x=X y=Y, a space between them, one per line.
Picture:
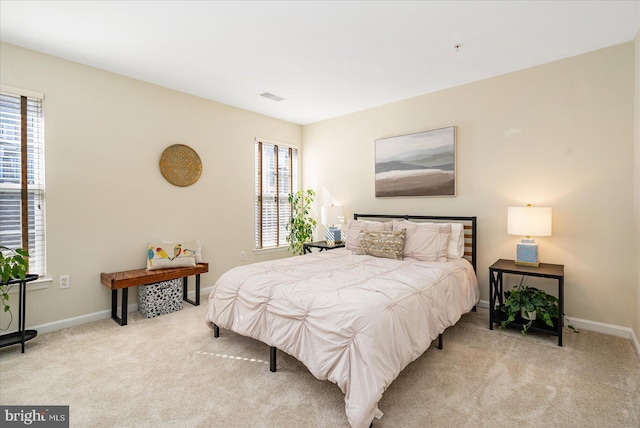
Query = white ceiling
x=325 y=58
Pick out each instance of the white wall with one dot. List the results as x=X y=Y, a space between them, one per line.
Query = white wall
x=574 y=152
x=106 y=197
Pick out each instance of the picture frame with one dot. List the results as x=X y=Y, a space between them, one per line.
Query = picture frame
x=418 y=164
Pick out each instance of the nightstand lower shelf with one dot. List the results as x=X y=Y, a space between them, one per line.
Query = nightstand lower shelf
x=536 y=326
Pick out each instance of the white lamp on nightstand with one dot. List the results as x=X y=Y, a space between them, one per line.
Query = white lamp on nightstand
x=333 y=216
x=528 y=221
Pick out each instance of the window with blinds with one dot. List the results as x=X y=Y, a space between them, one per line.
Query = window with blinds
x=276 y=175
x=22 y=221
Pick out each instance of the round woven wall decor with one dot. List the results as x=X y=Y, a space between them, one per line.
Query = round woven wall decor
x=180 y=165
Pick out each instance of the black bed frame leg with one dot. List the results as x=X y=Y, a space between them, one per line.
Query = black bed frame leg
x=440 y=341
x=272 y=358
x=216 y=331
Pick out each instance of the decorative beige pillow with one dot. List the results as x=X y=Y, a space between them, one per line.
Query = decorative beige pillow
x=427 y=242
x=382 y=244
x=162 y=255
x=352 y=238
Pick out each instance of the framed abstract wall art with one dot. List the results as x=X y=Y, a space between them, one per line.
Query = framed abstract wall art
x=420 y=164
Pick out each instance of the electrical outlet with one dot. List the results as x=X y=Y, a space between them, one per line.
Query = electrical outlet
x=242 y=255
x=65 y=281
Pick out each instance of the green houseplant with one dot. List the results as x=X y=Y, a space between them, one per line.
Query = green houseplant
x=14 y=264
x=530 y=303
x=301 y=225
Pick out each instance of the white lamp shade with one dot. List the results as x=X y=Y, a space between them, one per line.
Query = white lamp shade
x=332 y=215
x=529 y=221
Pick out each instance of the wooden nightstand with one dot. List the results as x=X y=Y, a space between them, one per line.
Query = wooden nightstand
x=496 y=294
x=321 y=245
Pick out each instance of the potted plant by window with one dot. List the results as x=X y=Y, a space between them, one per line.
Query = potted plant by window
x=14 y=264
x=530 y=303
x=301 y=224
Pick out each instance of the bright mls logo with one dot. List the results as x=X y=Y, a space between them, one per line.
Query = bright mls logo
x=34 y=416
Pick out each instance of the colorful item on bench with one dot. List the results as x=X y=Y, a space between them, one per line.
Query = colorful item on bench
x=162 y=255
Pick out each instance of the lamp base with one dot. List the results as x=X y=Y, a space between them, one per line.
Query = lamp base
x=527 y=253
x=334 y=236
x=530 y=264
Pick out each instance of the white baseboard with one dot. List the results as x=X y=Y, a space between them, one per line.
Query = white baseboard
x=599 y=327
x=483 y=304
x=96 y=316
x=614 y=330
x=72 y=322
x=636 y=342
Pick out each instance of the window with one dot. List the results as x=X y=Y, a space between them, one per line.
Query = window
x=22 y=162
x=276 y=169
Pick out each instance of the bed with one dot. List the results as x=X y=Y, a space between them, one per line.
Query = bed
x=358 y=315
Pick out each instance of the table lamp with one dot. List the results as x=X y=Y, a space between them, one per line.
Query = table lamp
x=332 y=216
x=528 y=221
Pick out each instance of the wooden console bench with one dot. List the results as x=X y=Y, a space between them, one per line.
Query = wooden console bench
x=123 y=280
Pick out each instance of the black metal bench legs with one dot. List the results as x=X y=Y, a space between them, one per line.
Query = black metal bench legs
x=122 y=319
x=185 y=291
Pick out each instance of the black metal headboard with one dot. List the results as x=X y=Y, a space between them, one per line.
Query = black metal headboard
x=470 y=228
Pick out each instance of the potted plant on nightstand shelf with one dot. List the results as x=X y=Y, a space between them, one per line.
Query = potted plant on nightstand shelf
x=530 y=303
x=301 y=225
x=14 y=265
x=526 y=304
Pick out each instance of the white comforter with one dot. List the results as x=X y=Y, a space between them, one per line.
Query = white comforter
x=354 y=320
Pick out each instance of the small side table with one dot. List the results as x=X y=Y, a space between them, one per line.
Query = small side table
x=22 y=335
x=496 y=294
x=321 y=245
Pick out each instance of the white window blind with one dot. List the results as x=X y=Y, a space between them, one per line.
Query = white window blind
x=276 y=175
x=18 y=107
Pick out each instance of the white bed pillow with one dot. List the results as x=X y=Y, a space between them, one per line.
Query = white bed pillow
x=352 y=238
x=427 y=242
x=455 y=248
x=456 y=241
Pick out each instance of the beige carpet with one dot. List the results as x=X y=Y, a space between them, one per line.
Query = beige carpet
x=170 y=372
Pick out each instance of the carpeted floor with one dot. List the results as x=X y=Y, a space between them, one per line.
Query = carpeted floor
x=170 y=372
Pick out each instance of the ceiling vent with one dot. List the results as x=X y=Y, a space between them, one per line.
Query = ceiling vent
x=271 y=96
